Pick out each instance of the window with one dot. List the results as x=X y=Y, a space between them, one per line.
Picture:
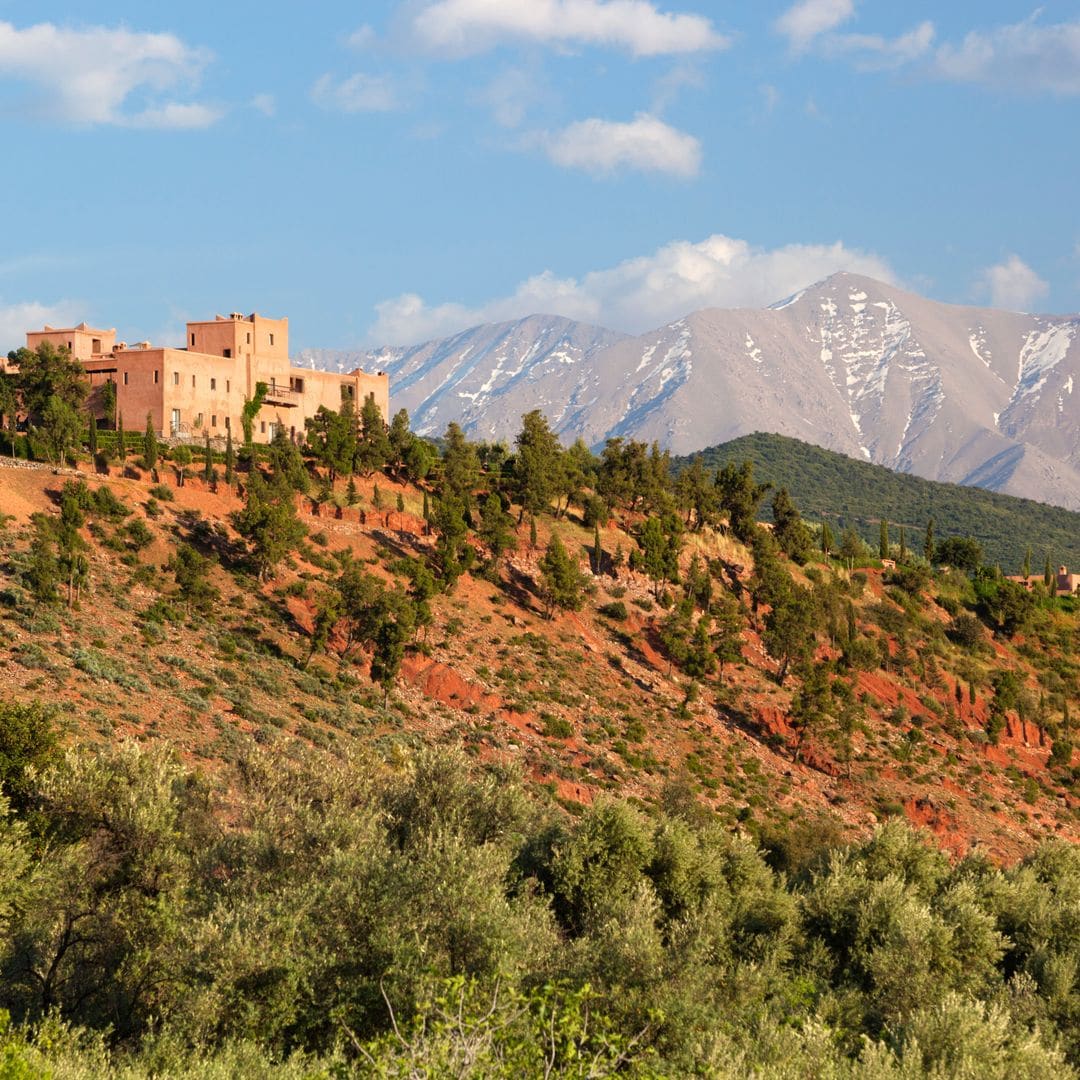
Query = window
x=176 y=378
x=198 y=420
x=262 y=428
x=226 y=386
x=155 y=376
x=125 y=378
x=192 y=382
x=193 y=341
x=296 y=384
x=213 y=384
x=249 y=337
x=346 y=391
x=228 y=423
x=71 y=345
x=213 y=419
x=271 y=339
x=96 y=349
x=227 y=353
x=175 y=421
x=273 y=431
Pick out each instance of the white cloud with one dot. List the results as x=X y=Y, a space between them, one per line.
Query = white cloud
x=809 y=19
x=357 y=93
x=88 y=76
x=602 y=147
x=640 y=293
x=466 y=27
x=1013 y=285
x=877 y=52
x=1024 y=56
x=16 y=319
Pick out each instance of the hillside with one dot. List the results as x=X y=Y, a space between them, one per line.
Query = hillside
x=962 y=395
x=586 y=703
x=845 y=492
x=384 y=802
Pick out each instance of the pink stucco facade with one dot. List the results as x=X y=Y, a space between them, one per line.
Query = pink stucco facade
x=202 y=387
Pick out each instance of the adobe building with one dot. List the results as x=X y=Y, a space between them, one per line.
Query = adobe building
x=1065 y=584
x=202 y=386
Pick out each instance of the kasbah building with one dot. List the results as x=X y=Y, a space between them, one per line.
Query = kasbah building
x=201 y=388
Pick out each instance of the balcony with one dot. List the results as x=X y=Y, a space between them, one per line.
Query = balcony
x=285 y=396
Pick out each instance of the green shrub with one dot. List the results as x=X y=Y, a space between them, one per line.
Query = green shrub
x=615 y=610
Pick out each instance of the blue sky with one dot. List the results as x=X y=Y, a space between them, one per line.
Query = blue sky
x=383 y=172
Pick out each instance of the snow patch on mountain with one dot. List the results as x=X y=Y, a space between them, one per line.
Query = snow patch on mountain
x=1043 y=350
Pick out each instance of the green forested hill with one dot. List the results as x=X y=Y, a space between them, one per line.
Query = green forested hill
x=843 y=491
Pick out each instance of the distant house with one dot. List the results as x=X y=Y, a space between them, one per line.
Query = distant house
x=202 y=387
x=1066 y=583
x=888 y=564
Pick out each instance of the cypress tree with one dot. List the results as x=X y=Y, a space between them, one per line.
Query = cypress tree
x=91 y=444
x=828 y=541
x=883 y=539
x=230 y=458
x=1027 y=564
x=532 y=532
x=427 y=510
x=561 y=580
x=598 y=550
x=150 y=444
x=928 y=544
x=1048 y=574
x=903 y=544
x=208 y=464
x=121 y=446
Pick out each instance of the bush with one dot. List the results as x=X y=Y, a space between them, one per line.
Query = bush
x=28 y=738
x=162 y=492
x=967 y=632
x=615 y=610
x=555 y=727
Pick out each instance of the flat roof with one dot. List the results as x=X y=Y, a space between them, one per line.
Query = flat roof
x=217 y=320
x=82 y=328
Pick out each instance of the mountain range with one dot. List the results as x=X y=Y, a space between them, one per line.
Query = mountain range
x=967 y=395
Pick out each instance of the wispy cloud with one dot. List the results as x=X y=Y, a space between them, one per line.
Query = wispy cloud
x=512 y=93
x=264 y=103
x=1012 y=284
x=466 y=27
x=807 y=20
x=16 y=319
x=355 y=94
x=603 y=147
x=640 y=293
x=362 y=37
x=100 y=75
x=877 y=52
x=1025 y=57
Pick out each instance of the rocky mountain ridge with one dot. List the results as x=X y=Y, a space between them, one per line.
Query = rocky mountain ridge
x=960 y=394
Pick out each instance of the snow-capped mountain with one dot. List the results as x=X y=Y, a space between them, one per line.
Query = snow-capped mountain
x=968 y=395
